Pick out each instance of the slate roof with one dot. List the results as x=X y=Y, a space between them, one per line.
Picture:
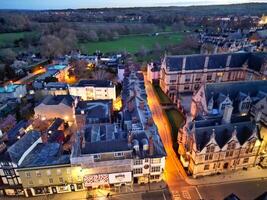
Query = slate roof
x=45 y=155
x=55 y=100
x=216 y=61
x=49 y=73
x=56 y=85
x=255 y=89
x=174 y=63
x=94 y=83
x=13 y=133
x=18 y=148
x=55 y=125
x=223 y=132
x=95 y=109
x=102 y=138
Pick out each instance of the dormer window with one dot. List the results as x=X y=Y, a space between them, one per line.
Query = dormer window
x=230 y=150
x=250 y=146
x=209 y=152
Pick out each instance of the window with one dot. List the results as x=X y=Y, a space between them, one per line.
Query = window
x=230 y=150
x=155 y=161
x=60 y=179
x=186 y=87
x=97 y=157
x=58 y=171
x=50 y=180
x=172 y=81
x=208 y=156
x=138 y=162
x=8 y=172
x=206 y=167
x=28 y=174
x=245 y=160
x=250 y=147
x=210 y=150
x=146 y=160
x=209 y=77
x=38 y=173
x=48 y=173
x=118 y=154
x=187 y=78
x=155 y=169
x=68 y=171
x=138 y=171
x=245 y=105
x=30 y=182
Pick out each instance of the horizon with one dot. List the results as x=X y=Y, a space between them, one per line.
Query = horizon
x=101 y=4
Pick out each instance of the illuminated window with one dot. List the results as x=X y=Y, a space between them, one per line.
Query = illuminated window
x=48 y=173
x=58 y=171
x=155 y=169
x=38 y=173
x=28 y=174
x=138 y=162
x=97 y=157
x=118 y=154
x=138 y=171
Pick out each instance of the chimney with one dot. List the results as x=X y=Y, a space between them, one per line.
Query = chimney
x=142 y=105
x=44 y=138
x=151 y=146
x=130 y=106
x=130 y=138
x=150 y=121
x=227 y=114
x=258 y=114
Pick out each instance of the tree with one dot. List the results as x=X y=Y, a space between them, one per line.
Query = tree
x=50 y=79
x=7 y=56
x=100 y=75
x=92 y=36
x=51 y=46
x=80 y=69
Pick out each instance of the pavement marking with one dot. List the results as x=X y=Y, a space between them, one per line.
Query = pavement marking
x=200 y=197
x=186 y=194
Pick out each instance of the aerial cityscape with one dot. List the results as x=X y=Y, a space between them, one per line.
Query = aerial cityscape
x=133 y=100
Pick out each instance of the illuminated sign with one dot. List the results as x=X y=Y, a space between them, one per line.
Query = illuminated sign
x=120 y=177
x=95 y=180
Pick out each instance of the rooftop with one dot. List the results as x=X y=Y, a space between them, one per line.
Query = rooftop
x=56 y=85
x=223 y=132
x=98 y=109
x=56 y=100
x=101 y=138
x=256 y=90
x=45 y=155
x=94 y=83
x=22 y=145
x=216 y=61
x=9 y=88
x=57 y=67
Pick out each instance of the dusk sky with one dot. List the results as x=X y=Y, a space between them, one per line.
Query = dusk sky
x=63 y=4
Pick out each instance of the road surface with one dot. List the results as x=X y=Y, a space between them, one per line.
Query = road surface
x=174 y=172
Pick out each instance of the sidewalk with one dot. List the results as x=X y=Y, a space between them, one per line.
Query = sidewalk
x=255 y=173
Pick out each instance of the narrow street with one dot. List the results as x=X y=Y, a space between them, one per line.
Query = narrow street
x=174 y=172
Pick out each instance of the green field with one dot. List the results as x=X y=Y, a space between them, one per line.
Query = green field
x=163 y=98
x=176 y=120
x=8 y=39
x=132 y=43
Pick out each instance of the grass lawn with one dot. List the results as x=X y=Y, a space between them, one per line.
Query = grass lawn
x=176 y=120
x=164 y=99
x=131 y=43
x=8 y=39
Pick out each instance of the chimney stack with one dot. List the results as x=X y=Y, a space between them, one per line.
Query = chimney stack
x=227 y=114
x=151 y=146
x=130 y=138
x=258 y=115
x=142 y=105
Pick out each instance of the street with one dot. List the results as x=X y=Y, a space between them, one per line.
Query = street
x=244 y=190
x=174 y=172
